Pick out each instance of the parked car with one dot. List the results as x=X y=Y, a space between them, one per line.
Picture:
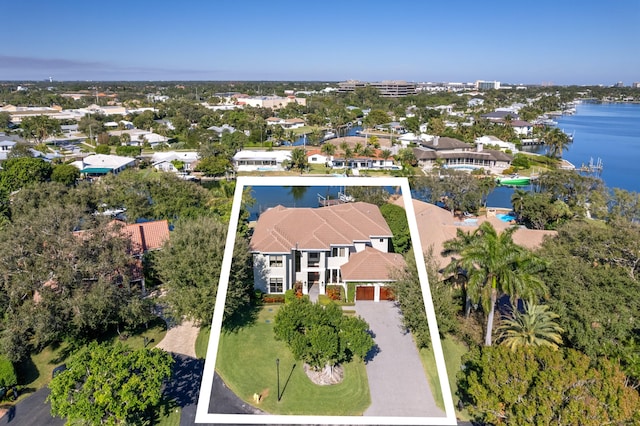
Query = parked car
x=59 y=369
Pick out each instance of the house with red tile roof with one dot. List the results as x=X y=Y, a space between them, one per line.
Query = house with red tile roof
x=144 y=237
x=313 y=246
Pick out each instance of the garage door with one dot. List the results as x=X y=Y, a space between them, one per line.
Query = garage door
x=386 y=294
x=365 y=293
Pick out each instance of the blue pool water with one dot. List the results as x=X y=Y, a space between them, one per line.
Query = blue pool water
x=505 y=217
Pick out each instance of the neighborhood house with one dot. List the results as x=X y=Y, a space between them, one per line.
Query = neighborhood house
x=335 y=245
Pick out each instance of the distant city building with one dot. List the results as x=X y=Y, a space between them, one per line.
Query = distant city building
x=445 y=87
x=487 y=85
x=619 y=84
x=273 y=102
x=387 y=88
x=636 y=84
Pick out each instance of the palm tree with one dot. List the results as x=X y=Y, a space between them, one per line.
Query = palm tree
x=374 y=141
x=298 y=159
x=556 y=141
x=456 y=269
x=517 y=200
x=328 y=149
x=357 y=148
x=536 y=326
x=494 y=266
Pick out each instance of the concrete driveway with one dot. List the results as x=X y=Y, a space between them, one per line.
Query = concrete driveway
x=397 y=381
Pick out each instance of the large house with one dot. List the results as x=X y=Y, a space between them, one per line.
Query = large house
x=101 y=164
x=455 y=154
x=332 y=245
x=262 y=161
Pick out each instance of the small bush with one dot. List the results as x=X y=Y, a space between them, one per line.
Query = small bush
x=323 y=299
x=289 y=296
x=273 y=298
x=334 y=292
x=351 y=292
x=7 y=372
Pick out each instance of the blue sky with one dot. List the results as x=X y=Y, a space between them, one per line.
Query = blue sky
x=561 y=41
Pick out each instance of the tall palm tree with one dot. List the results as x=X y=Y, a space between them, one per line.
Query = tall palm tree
x=298 y=159
x=357 y=148
x=557 y=141
x=328 y=149
x=536 y=326
x=455 y=268
x=518 y=199
x=385 y=154
x=496 y=266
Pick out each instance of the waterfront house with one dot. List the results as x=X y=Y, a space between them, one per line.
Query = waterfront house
x=455 y=154
x=101 y=164
x=324 y=246
x=497 y=142
x=166 y=161
x=247 y=160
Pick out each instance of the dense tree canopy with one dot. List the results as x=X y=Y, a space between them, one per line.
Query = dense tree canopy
x=59 y=284
x=544 y=386
x=190 y=264
x=21 y=171
x=456 y=189
x=408 y=291
x=150 y=194
x=593 y=283
x=322 y=335
x=110 y=384
x=65 y=174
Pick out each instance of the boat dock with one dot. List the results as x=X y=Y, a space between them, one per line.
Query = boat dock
x=592 y=167
x=326 y=202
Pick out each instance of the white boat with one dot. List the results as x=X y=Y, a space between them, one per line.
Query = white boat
x=328 y=135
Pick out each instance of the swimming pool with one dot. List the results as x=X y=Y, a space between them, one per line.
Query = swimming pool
x=505 y=217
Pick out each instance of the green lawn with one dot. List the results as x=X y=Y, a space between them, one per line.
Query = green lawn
x=202 y=342
x=453 y=350
x=247 y=363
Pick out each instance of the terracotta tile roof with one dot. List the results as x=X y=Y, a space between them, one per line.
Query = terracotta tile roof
x=148 y=235
x=144 y=236
x=280 y=229
x=372 y=265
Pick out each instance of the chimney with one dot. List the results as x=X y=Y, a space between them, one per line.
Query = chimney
x=435 y=140
x=479 y=147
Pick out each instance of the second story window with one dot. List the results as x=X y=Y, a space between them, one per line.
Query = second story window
x=339 y=252
x=314 y=259
x=275 y=261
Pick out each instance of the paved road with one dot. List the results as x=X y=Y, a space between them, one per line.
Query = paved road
x=32 y=411
x=397 y=381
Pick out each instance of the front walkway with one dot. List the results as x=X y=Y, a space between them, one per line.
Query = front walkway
x=397 y=381
x=180 y=339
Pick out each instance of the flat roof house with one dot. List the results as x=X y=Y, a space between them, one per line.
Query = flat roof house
x=101 y=164
x=324 y=246
x=246 y=160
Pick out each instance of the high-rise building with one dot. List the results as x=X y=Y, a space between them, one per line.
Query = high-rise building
x=487 y=85
x=387 y=88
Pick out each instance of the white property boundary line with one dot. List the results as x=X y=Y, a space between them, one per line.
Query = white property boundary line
x=202 y=412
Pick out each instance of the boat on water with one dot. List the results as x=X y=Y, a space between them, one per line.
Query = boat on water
x=514 y=181
x=329 y=135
